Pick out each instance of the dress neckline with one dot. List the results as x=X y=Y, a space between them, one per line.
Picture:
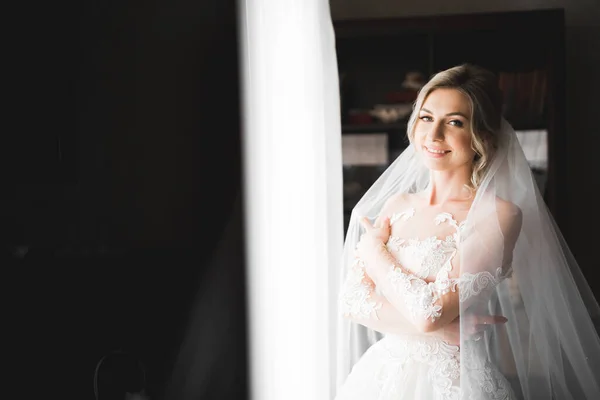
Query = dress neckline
x=439 y=218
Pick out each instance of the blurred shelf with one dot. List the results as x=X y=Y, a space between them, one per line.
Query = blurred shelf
x=374 y=128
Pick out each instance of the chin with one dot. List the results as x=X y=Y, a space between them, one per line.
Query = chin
x=436 y=166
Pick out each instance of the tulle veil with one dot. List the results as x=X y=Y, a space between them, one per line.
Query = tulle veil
x=549 y=348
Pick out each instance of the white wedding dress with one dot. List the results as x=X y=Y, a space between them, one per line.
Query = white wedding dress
x=421 y=366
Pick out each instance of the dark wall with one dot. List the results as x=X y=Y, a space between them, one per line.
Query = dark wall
x=121 y=224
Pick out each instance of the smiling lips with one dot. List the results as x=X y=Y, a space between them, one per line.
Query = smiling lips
x=436 y=152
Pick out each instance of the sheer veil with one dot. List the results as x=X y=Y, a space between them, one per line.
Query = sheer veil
x=549 y=348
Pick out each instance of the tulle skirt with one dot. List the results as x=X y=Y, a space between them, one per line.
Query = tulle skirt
x=418 y=368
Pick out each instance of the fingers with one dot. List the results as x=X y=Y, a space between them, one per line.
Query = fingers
x=473 y=319
x=475 y=325
x=490 y=319
x=385 y=223
x=377 y=223
x=364 y=221
x=379 y=232
x=382 y=223
x=485 y=322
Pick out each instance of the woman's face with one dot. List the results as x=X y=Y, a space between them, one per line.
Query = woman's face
x=443 y=130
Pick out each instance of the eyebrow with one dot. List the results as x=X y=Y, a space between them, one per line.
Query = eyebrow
x=447 y=115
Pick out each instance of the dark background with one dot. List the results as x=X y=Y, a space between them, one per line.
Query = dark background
x=121 y=172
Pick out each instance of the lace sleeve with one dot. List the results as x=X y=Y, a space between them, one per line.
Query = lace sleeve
x=355 y=297
x=360 y=303
x=420 y=297
x=423 y=298
x=472 y=285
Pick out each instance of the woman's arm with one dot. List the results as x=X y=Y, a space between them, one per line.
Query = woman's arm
x=430 y=306
x=422 y=303
x=359 y=303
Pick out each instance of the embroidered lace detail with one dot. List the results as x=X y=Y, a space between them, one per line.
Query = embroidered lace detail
x=443 y=361
x=425 y=367
x=460 y=228
x=395 y=243
x=436 y=257
x=403 y=216
x=392 y=358
x=484 y=380
x=355 y=297
x=470 y=285
x=432 y=252
x=420 y=296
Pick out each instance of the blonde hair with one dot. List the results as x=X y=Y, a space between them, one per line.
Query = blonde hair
x=480 y=86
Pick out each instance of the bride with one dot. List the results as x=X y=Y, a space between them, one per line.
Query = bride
x=462 y=287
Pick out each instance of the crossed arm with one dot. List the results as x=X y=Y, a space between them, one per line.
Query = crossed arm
x=360 y=303
x=409 y=304
x=406 y=303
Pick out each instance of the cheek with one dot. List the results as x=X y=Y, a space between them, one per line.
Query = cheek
x=418 y=134
x=462 y=144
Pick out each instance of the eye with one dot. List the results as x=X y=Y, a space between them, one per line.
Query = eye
x=456 y=122
x=426 y=118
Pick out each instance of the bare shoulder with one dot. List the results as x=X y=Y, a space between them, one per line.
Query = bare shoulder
x=507 y=209
x=510 y=216
x=397 y=203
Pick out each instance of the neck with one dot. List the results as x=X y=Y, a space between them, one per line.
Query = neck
x=449 y=186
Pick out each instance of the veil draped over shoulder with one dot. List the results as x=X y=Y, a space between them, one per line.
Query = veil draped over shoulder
x=549 y=348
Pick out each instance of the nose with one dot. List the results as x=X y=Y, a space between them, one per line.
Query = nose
x=436 y=132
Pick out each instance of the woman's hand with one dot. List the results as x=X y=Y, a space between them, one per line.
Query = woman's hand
x=380 y=231
x=474 y=327
x=372 y=242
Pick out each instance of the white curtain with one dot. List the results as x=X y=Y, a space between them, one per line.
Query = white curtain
x=293 y=189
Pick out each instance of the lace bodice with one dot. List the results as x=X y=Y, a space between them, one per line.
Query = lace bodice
x=430 y=256
x=424 y=275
